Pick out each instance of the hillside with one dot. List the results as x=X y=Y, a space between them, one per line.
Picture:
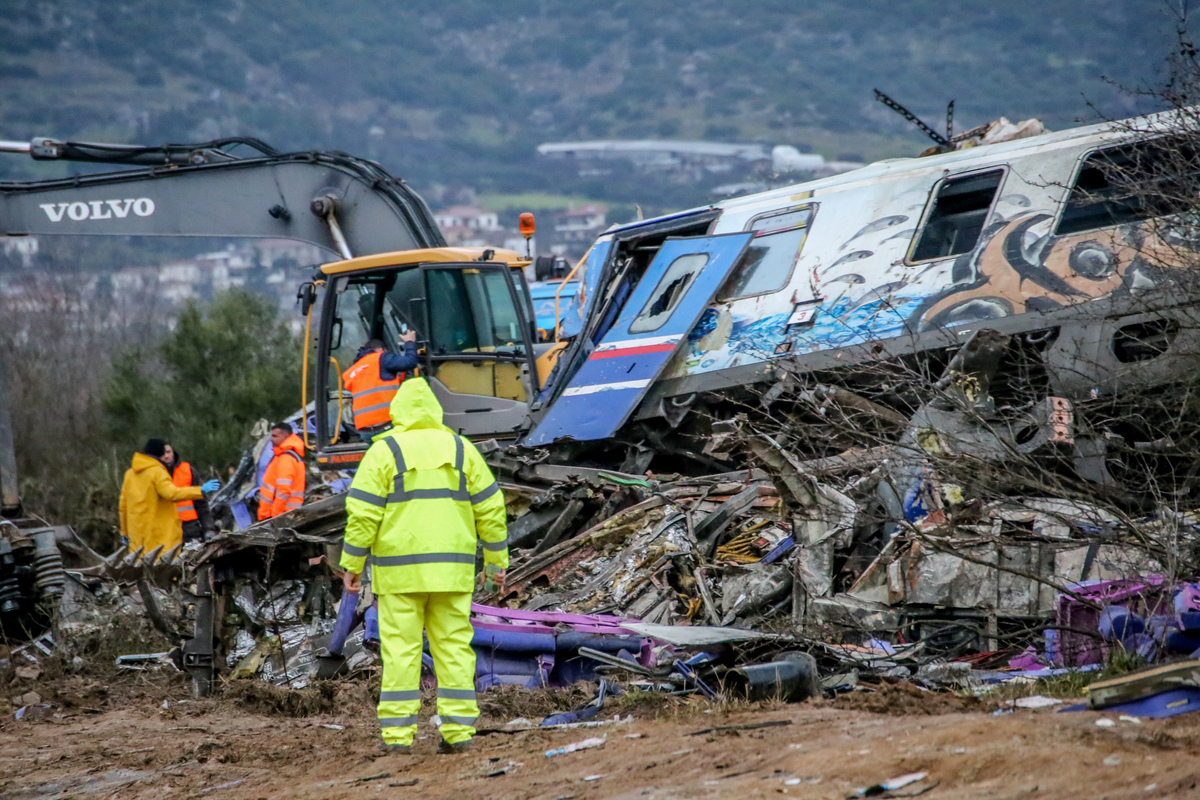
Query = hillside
x=454 y=94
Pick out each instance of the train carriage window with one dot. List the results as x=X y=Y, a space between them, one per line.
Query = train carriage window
x=1129 y=183
x=767 y=264
x=670 y=290
x=960 y=209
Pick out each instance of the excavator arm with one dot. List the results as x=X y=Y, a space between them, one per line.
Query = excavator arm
x=237 y=188
x=347 y=205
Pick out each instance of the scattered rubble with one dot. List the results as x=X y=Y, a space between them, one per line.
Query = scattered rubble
x=797 y=573
x=760 y=582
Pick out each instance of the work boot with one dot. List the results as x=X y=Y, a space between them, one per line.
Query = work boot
x=397 y=749
x=453 y=748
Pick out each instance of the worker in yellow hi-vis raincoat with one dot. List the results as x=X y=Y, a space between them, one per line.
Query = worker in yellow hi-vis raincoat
x=421 y=498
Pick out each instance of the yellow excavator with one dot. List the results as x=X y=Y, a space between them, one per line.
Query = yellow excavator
x=478 y=343
x=470 y=307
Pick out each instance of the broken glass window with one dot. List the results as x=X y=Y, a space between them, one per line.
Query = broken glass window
x=670 y=290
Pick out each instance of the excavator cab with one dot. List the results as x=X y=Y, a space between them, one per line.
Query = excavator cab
x=473 y=316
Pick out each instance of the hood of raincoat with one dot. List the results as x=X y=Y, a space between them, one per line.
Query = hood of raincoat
x=293 y=443
x=143 y=462
x=415 y=408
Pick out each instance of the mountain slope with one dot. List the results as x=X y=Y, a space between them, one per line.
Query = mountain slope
x=460 y=93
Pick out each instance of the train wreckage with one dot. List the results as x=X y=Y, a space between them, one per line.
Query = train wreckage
x=923 y=413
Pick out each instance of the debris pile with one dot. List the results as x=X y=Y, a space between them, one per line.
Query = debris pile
x=867 y=560
x=848 y=540
x=776 y=549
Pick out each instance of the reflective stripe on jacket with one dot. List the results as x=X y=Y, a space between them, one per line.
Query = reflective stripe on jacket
x=371 y=395
x=420 y=501
x=283 y=484
x=182 y=476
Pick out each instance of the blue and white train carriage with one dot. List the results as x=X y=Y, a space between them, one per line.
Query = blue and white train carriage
x=905 y=256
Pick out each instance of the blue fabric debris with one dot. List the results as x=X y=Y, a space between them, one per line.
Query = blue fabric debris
x=1168 y=704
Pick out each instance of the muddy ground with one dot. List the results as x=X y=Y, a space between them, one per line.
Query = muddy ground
x=140 y=736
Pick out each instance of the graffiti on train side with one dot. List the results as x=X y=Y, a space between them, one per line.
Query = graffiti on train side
x=1018 y=269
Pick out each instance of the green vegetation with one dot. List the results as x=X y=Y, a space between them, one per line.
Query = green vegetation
x=85 y=393
x=224 y=366
x=529 y=201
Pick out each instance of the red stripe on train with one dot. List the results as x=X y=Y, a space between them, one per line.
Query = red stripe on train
x=632 y=351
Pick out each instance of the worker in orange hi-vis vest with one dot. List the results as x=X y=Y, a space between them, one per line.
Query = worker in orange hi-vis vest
x=373 y=380
x=283 y=484
x=194 y=514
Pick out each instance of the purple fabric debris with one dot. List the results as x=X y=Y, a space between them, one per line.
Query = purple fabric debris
x=371 y=627
x=880 y=644
x=537 y=648
x=1073 y=647
x=347 y=620
x=1028 y=659
x=1187 y=598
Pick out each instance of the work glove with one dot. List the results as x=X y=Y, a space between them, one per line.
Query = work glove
x=211 y=486
x=493 y=578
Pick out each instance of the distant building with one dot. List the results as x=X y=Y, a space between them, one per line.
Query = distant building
x=469 y=217
x=582 y=223
x=657 y=156
x=232 y=258
x=691 y=160
x=135 y=281
x=268 y=267
x=572 y=231
x=785 y=158
x=284 y=253
x=179 y=280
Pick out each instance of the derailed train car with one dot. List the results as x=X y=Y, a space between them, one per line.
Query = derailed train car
x=1060 y=244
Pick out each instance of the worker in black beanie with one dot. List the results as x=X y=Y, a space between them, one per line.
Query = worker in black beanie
x=148 y=517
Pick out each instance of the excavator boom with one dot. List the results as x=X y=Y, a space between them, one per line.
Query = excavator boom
x=344 y=204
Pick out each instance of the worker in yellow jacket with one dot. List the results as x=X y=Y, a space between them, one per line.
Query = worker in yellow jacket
x=148 y=497
x=420 y=501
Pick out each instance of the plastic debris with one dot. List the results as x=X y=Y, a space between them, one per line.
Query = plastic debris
x=141 y=661
x=1036 y=701
x=586 y=744
x=891 y=784
x=34 y=711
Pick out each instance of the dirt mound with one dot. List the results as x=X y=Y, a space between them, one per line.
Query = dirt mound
x=263 y=698
x=503 y=703
x=906 y=698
